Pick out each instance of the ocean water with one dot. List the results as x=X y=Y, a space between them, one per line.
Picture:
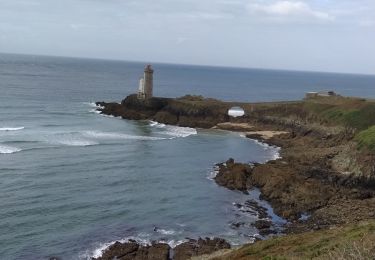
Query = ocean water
x=72 y=181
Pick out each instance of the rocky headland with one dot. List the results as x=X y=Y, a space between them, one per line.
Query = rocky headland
x=325 y=176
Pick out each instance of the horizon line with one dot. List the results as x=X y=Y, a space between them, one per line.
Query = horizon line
x=187 y=64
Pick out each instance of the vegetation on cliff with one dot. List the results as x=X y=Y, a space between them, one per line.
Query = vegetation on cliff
x=356 y=113
x=355 y=241
x=366 y=139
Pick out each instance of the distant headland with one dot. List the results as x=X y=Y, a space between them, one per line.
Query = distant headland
x=324 y=179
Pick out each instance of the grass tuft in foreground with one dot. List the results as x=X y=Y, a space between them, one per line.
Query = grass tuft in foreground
x=366 y=139
x=355 y=241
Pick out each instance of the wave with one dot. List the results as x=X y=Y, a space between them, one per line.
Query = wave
x=177 y=131
x=114 y=135
x=157 y=124
x=93 y=104
x=165 y=232
x=76 y=142
x=19 y=142
x=174 y=131
x=9 y=149
x=94 y=111
x=11 y=128
x=276 y=154
x=212 y=174
x=98 y=251
x=275 y=150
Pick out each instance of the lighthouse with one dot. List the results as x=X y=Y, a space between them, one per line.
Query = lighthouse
x=146 y=83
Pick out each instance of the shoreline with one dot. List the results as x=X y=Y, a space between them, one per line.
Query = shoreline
x=302 y=186
x=253 y=205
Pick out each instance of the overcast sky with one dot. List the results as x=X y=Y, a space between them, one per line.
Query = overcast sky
x=319 y=35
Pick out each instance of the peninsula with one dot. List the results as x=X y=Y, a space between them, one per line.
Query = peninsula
x=323 y=184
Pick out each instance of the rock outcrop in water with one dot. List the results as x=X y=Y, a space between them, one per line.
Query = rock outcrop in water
x=185 y=111
x=233 y=176
x=133 y=251
x=160 y=251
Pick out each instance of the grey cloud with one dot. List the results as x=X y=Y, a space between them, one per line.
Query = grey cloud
x=217 y=32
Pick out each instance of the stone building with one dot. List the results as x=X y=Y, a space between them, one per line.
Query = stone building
x=146 y=83
x=310 y=95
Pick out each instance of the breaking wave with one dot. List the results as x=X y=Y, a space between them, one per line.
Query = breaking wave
x=175 y=131
x=98 y=251
x=70 y=139
x=156 y=124
x=72 y=142
x=11 y=128
x=94 y=110
x=114 y=135
x=212 y=174
x=93 y=104
x=166 y=232
x=9 y=149
x=275 y=151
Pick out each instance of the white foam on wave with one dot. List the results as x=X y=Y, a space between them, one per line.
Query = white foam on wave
x=95 y=108
x=114 y=135
x=274 y=149
x=94 y=111
x=143 y=239
x=93 y=104
x=174 y=131
x=166 y=232
x=177 y=131
x=212 y=174
x=76 y=142
x=98 y=251
x=11 y=128
x=157 y=124
x=70 y=139
x=276 y=154
x=9 y=149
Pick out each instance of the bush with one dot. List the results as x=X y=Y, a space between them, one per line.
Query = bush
x=366 y=139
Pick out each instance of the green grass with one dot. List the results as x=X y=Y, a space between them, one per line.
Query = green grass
x=358 y=115
x=366 y=139
x=323 y=244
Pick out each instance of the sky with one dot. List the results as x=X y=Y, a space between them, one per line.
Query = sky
x=315 y=35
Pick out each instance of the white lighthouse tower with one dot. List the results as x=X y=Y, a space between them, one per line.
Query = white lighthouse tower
x=146 y=83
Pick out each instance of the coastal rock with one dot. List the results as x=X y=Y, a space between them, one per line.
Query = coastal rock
x=322 y=171
x=233 y=176
x=160 y=251
x=198 y=247
x=264 y=227
x=185 y=111
x=134 y=251
x=288 y=191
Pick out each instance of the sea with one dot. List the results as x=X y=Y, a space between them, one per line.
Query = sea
x=73 y=181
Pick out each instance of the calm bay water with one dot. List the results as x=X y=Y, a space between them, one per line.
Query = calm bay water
x=72 y=180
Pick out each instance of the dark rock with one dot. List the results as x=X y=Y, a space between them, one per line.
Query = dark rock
x=233 y=175
x=254 y=206
x=198 y=247
x=134 y=251
x=236 y=225
x=262 y=224
x=182 y=111
x=264 y=227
